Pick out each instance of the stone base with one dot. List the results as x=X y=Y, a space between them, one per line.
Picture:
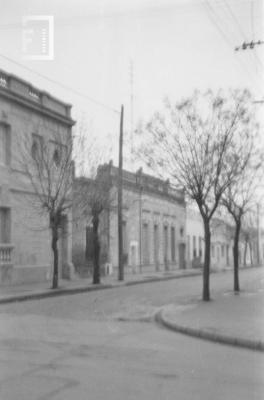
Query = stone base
x=15 y=275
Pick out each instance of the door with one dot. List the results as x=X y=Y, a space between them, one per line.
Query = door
x=165 y=249
x=156 y=247
x=182 y=255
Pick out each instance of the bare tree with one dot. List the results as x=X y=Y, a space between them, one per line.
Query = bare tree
x=238 y=200
x=93 y=198
x=47 y=164
x=192 y=141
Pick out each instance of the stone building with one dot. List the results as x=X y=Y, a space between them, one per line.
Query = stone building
x=154 y=224
x=27 y=115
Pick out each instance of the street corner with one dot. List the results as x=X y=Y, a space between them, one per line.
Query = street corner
x=217 y=320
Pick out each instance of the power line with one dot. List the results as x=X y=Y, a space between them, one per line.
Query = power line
x=229 y=11
x=214 y=19
x=77 y=92
x=241 y=29
x=235 y=19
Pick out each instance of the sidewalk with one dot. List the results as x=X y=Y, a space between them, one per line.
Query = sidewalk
x=10 y=294
x=229 y=318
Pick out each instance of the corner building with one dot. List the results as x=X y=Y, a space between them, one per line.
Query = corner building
x=27 y=115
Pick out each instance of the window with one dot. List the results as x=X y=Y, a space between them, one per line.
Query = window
x=57 y=157
x=156 y=244
x=194 y=246
x=5 y=225
x=165 y=248
x=172 y=243
x=125 y=244
x=222 y=250
x=37 y=146
x=145 y=243
x=5 y=145
x=200 y=246
x=213 y=250
x=58 y=152
x=188 y=248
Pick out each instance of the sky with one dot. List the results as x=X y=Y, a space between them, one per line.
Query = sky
x=110 y=50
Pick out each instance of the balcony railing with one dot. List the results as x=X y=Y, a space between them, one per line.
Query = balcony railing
x=6 y=253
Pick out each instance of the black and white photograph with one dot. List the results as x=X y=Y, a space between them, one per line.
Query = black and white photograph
x=131 y=200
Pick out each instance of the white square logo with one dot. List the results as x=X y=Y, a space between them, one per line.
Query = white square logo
x=38 y=37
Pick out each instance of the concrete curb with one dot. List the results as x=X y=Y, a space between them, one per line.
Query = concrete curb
x=83 y=289
x=206 y=335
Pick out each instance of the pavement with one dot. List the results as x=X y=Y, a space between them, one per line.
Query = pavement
x=34 y=291
x=233 y=319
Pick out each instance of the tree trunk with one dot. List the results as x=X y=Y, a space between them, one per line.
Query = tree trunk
x=236 y=255
x=206 y=268
x=251 y=253
x=96 y=250
x=54 y=245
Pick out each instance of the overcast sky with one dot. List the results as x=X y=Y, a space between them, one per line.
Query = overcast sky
x=175 y=46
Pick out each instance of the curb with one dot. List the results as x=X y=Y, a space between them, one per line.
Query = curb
x=53 y=293
x=160 y=279
x=71 y=291
x=206 y=335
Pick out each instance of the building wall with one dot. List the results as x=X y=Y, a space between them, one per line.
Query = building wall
x=143 y=209
x=29 y=241
x=195 y=237
x=222 y=235
x=141 y=213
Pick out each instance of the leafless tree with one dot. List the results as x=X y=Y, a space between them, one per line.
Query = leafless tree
x=93 y=198
x=47 y=163
x=191 y=142
x=239 y=198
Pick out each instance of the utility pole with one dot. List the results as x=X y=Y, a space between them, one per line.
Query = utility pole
x=120 y=200
x=249 y=45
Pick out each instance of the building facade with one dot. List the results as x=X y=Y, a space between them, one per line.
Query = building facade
x=154 y=224
x=222 y=242
x=28 y=117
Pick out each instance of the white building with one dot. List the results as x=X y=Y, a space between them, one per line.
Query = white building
x=222 y=237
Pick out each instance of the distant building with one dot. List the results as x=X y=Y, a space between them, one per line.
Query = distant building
x=154 y=225
x=27 y=115
x=194 y=238
x=222 y=242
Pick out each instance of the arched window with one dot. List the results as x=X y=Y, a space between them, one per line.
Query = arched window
x=37 y=146
x=56 y=157
x=34 y=150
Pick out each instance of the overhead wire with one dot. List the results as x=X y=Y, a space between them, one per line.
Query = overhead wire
x=215 y=21
x=229 y=9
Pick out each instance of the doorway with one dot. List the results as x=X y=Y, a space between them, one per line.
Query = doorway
x=182 y=255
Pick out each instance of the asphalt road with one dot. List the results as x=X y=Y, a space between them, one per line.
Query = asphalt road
x=91 y=346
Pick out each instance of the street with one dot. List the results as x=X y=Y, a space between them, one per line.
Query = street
x=102 y=345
